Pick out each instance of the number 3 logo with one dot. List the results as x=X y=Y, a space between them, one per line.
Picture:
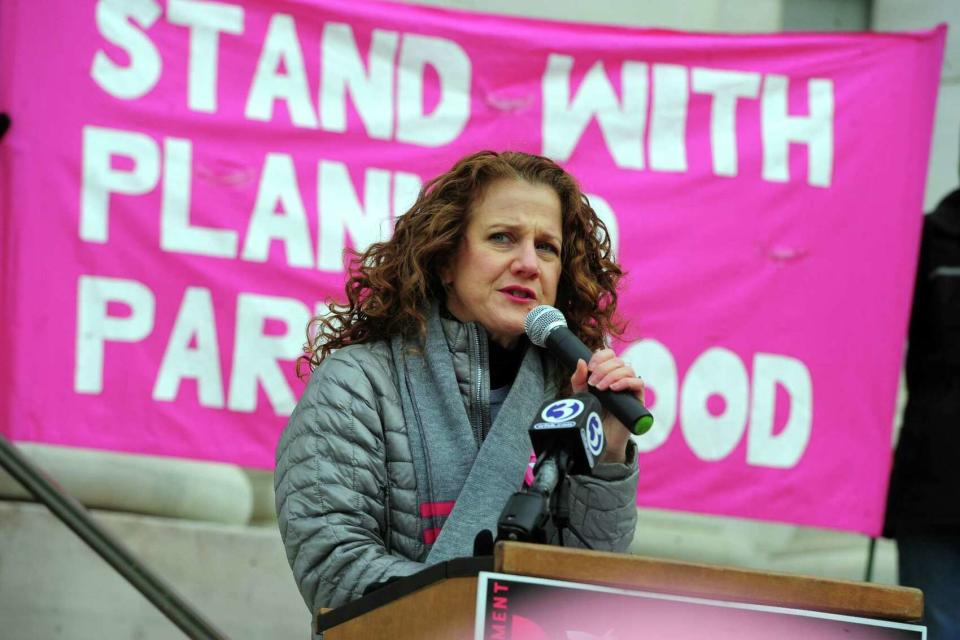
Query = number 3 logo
x=595 y=434
x=562 y=410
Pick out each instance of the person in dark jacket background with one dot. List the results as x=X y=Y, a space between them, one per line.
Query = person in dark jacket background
x=412 y=432
x=923 y=509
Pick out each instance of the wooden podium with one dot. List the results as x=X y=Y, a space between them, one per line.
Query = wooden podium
x=441 y=601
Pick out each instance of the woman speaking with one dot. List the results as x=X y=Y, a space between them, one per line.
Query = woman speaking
x=412 y=432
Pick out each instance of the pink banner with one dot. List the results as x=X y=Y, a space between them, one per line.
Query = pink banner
x=180 y=181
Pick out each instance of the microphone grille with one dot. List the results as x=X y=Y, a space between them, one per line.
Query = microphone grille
x=541 y=322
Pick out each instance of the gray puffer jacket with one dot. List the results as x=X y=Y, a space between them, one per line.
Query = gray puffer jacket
x=346 y=480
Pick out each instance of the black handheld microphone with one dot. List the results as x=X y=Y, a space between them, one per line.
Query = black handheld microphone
x=547 y=328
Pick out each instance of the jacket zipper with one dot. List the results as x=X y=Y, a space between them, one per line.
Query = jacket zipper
x=479 y=427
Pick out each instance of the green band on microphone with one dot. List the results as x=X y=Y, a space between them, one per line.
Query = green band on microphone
x=642 y=425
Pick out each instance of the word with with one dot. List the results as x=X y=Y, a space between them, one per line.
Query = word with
x=665 y=89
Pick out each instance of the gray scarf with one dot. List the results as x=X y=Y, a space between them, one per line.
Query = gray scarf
x=448 y=465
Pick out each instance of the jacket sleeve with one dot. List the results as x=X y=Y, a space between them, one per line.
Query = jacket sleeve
x=331 y=486
x=603 y=506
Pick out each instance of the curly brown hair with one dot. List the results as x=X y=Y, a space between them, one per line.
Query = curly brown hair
x=389 y=284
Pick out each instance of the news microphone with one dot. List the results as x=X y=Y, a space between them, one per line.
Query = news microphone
x=547 y=328
x=567 y=438
x=571 y=425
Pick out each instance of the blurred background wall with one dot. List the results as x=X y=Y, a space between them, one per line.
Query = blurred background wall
x=209 y=529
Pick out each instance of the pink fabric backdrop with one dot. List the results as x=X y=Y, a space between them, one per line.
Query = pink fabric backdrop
x=181 y=179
